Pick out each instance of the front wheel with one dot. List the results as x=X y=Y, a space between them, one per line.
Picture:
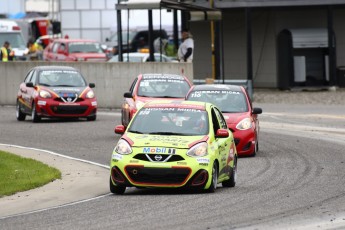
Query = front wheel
x=91 y=118
x=116 y=189
x=34 y=115
x=214 y=180
x=19 y=114
x=233 y=176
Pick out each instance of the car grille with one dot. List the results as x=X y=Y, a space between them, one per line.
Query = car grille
x=69 y=109
x=140 y=174
x=59 y=99
x=158 y=157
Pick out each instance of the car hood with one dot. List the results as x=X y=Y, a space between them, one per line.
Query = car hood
x=66 y=91
x=168 y=141
x=234 y=118
x=147 y=99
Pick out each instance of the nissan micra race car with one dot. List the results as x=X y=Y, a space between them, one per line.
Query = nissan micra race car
x=55 y=91
x=174 y=144
x=149 y=87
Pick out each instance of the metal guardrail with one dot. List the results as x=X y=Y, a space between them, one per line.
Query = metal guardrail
x=247 y=84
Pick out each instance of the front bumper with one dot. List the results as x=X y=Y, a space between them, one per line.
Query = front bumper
x=51 y=108
x=187 y=173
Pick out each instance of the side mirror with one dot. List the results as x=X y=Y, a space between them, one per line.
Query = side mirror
x=120 y=129
x=222 y=133
x=257 y=111
x=92 y=85
x=29 y=84
x=128 y=95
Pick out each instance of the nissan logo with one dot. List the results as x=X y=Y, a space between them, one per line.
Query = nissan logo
x=158 y=157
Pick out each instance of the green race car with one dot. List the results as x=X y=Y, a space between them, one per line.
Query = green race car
x=174 y=144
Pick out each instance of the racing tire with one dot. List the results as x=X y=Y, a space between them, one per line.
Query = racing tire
x=91 y=118
x=233 y=177
x=256 y=149
x=19 y=114
x=116 y=189
x=34 y=115
x=214 y=180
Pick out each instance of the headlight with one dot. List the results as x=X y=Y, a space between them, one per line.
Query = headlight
x=244 y=124
x=198 y=150
x=45 y=94
x=90 y=94
x=123 y=147
x=139 y=104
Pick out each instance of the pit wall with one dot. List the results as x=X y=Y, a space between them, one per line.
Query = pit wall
x=112 y=79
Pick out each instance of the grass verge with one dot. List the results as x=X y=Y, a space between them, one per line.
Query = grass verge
x=19 y=174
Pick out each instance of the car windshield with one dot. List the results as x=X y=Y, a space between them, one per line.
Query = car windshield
x=226 y=100
x=16 y=40
x=163 y=86
x=170 y=121
x=65 y=78
x=84 y=47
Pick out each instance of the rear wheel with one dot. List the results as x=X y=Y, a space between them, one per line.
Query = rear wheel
x=19 y=114
x=233 y=176
x=116 y=189
x=35 y=117
x=214 y=180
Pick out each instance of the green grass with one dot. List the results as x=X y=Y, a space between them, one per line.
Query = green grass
x=20 y=174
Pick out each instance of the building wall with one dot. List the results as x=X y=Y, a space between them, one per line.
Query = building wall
x=90 y=19
x=266 y=25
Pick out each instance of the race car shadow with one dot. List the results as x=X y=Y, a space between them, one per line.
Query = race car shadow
x=168 y=191
x=59 y=120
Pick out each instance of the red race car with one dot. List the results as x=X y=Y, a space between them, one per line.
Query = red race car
x=55 y=91
x=148 y=87
x=238 y=111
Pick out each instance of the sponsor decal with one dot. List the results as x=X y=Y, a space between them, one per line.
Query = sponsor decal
x=133 y=161
x=164 y=139
x=159 y=150
x=41 y=102
x=203 y=160
x=203 y=164
x=94 y=103
x=116 y=156
x=67 y=89
x=181 y=163
x=199 y=93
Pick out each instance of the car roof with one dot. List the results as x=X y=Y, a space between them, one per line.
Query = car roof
x=203 y=87
x=69 y=40
x=53 y=67
x=162 y=75
x=178 y=104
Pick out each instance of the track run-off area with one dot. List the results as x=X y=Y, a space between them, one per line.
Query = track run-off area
x=296 y=181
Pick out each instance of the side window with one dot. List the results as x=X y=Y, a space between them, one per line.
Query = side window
x=28 y=77
x=133 y=85
x=221 y=119
x=215 y=121
x=55 y=47
x=33 y=78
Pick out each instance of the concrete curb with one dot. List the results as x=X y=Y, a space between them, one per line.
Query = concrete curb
x=81 y=180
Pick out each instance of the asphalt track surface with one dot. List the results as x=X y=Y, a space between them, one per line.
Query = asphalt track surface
x=296 y=181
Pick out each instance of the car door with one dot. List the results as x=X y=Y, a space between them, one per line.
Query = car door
x=28 y=92
x=61 y=54
x=224 y=144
